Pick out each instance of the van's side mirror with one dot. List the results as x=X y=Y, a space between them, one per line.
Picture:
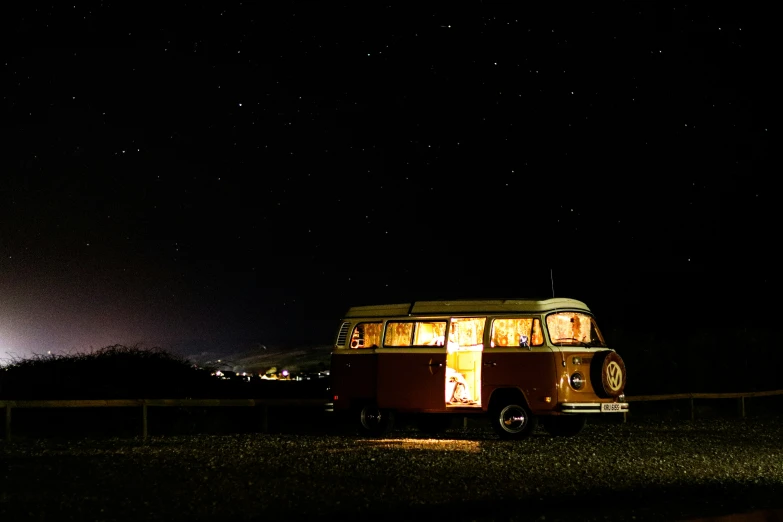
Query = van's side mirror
x=523 y=341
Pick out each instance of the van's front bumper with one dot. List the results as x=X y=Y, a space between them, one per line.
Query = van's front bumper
x=594 y=407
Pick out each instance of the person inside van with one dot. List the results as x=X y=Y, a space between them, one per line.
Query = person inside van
x=457 y=390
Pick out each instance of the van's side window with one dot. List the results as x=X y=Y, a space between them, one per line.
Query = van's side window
x=415 y=333
x=523 y=331
x=537 y=335
x=366 y=335
x=467 y=333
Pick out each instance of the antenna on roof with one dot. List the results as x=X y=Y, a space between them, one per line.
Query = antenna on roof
x=552 y=278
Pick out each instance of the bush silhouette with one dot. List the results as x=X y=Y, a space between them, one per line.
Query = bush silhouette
x=121 y=372
x=113 y=372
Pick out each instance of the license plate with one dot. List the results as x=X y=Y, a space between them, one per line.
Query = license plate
x=610 y=406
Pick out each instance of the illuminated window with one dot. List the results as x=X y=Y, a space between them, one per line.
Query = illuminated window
x=366 y=335
x=573 y=328
x=415 y=333
x=518 y=331
x=467 y=331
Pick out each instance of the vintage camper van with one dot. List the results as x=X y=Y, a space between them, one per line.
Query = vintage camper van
x=519 y=361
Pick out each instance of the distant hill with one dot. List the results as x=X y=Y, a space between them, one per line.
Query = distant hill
x=261 y=358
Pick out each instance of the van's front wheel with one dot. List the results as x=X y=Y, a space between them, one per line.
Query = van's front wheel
x=513 y=420
x=375 y=421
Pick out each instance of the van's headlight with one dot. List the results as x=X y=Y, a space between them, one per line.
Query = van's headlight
x=577 y=381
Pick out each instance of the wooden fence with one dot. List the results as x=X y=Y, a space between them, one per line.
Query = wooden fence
x=143 y=404
x=265 y=404
x=740 y=396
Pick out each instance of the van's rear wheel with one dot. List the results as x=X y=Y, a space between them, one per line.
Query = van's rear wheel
x=374 y=421
x=512 y=420
x=564 y=425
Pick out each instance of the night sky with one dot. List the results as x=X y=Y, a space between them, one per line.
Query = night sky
x=211 y=176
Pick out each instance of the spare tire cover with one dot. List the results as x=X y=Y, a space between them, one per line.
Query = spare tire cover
x=607 y=373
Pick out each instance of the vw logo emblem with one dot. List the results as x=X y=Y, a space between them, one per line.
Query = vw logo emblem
x=614 y=375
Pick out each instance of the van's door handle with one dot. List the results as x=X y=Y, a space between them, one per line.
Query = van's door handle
x=436 y=364
x=490 y=363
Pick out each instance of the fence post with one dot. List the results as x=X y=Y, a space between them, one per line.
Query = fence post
x=8 y=423
x=264 y=418
x=693 y=414
x=144 y=421
x=742 y=406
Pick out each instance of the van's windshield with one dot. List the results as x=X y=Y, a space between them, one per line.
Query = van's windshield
x=574 y=329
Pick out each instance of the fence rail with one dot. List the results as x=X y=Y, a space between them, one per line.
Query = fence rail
x=741 y=396
x=265 y=404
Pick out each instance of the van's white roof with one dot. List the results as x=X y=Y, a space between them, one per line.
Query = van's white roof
x=467 y=306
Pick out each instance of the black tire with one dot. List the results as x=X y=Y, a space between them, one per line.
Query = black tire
x=564 y=425
x=374 y=421
x=432 y=424
x=512 y=420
